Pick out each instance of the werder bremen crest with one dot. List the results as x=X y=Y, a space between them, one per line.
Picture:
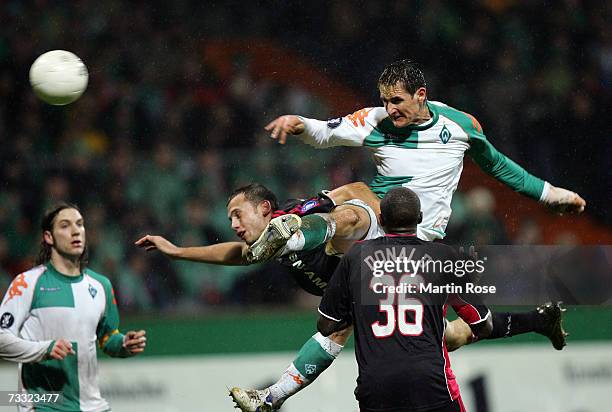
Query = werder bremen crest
x=92 y=291
x=445 y=135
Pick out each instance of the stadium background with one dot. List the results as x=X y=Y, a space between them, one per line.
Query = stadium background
x=173 y=120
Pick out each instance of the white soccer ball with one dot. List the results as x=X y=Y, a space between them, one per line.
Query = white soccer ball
x=58 y=77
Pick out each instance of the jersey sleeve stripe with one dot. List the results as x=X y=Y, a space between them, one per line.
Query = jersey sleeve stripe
x=105 y=338
x=329 y=317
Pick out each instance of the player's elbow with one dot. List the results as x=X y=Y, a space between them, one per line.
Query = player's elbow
x=326 y=326
x=352 y=222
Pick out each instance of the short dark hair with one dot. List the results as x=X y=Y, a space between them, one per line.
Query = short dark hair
x=255 y=193
x=400 y=208
x=406 y=72
x=44 y=253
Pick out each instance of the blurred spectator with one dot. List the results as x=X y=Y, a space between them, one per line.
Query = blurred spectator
x=480 y=225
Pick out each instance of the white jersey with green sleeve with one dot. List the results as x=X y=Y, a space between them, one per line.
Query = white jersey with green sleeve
x=427 y=158
x=43 y=305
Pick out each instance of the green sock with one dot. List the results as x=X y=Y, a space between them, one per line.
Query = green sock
x=313 y=359
x=316 y=230
x=316 y=355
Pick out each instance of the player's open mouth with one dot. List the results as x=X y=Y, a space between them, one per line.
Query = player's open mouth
x=241 y=234
x=77 y=243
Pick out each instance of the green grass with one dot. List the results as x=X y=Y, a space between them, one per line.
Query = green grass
x=286 y=331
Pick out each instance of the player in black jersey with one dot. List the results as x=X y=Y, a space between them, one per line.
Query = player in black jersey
x=399 y=336
x=335 y=219
x=351 y=211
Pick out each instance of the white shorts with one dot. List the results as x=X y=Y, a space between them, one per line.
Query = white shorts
x=375 y=230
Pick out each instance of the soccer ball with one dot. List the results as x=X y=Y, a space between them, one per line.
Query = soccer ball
x=58 y=77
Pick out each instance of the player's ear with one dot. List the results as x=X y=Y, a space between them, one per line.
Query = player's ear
x=420 y=217
x=421 y=94
x=266 y=207
x=48 y=237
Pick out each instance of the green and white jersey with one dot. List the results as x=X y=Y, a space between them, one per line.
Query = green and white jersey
x=427 y=158
x=42 y=305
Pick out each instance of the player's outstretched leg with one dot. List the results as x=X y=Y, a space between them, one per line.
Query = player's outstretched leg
x=315 y=356
x=252 y=400
x=274 y=238
x=546 y=320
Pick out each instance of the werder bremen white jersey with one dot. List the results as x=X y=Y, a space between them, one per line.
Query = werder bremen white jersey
x=42 y=305
x=427 y=158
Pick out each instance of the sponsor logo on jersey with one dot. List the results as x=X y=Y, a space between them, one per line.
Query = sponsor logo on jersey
x=299 y=265
x=317 y=281
x=393 y=138
x=445 y=135
x=15 y=288
x=309 y=205
x=333 y=123
x=358 y=118
x=310 y=369
x=6 y=320
x=92 y=291
x=43 y=289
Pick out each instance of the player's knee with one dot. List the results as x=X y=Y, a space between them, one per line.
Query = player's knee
x=348 y=218
x=457 y=334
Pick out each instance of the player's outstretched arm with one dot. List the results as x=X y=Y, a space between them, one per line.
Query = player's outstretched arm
x=280 y=127
x=504 y=169
x=227 y=253
x=350 y=130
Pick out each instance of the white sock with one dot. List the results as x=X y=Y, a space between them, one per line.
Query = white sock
x=295 y=243
x=328 y=345
x=290 y=383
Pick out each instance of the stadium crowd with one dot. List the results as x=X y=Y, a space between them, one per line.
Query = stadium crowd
x=160 y=137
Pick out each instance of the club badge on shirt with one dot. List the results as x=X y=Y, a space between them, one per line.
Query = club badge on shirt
x=445 y=135
x=92 y=291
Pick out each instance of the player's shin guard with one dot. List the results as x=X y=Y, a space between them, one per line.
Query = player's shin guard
x=316 y=229
x=313 y=358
